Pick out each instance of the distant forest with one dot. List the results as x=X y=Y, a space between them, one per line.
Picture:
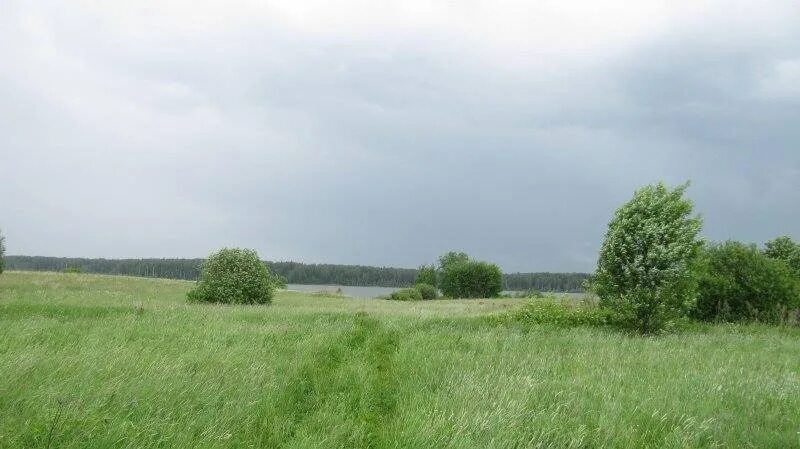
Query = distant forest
x=294 y=272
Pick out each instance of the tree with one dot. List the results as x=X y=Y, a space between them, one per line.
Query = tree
x=461 y=277
x=452 y=258
x=236 y=276
x=2 y=251
x=785 y=249
x=740 y=283
x=645 y=272
x=427 y=275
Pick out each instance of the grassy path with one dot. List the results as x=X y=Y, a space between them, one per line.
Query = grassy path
x=323 y=381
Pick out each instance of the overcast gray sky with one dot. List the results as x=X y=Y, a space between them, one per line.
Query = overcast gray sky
x=386 y=133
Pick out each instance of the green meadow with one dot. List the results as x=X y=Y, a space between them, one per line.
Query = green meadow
x=90 y=361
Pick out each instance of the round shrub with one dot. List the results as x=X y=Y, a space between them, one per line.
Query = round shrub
x=406 y=294
x=740 y=283
x=234 y=276
x=471 y=279
x=427 y=291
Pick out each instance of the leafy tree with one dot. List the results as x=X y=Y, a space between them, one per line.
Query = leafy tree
x=785 y=249
x=740 y=283
x=236 y=276
x=2 y=251
x=645 y=272
x=452 y=258
x=427 y=275
x=461 y=277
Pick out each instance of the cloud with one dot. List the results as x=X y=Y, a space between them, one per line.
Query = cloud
x=389 y=132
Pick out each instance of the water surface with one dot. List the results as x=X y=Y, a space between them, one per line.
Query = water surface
x=347 y=290
x=375 y=292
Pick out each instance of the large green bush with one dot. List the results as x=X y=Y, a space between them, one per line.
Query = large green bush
x=427 y=291
x=785 y=249
x=645 y=272
x=461 y=277
x=739 y=283
x=235 y=276
x=406 y=294
x=418 y=292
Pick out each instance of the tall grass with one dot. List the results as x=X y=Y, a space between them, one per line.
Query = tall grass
x=100 y=361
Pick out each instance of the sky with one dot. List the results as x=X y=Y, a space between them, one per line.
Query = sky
x=389 y=132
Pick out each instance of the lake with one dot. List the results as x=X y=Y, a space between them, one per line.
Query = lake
x=347 y=290
x=374 y=292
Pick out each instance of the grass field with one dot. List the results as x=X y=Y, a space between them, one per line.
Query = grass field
x=100 y=361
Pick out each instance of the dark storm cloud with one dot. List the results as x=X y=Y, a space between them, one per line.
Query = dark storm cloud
x=384 y=149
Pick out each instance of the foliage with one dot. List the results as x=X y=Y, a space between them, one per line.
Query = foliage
x=645 y=272
x=426 y=274
x=739 y=283
x=785 y=249
x=427 y=291
x=406 y=294
x=418 y=292
x=460 y=277
x=452 y=258
x=2 y=251
x=73 y=270
x=562 y=314
x=234 y=275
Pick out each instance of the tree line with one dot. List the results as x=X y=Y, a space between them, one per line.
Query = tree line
x=293 y=272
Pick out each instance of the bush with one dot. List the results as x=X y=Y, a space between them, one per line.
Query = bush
x=645 y=273
x=562 y=314
x=465 y=278
x=406 y=294
x=739 y=283
x=427 y=275
x=785 y=249
x=73 y=270
x=235 y=276
x=427 y=291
